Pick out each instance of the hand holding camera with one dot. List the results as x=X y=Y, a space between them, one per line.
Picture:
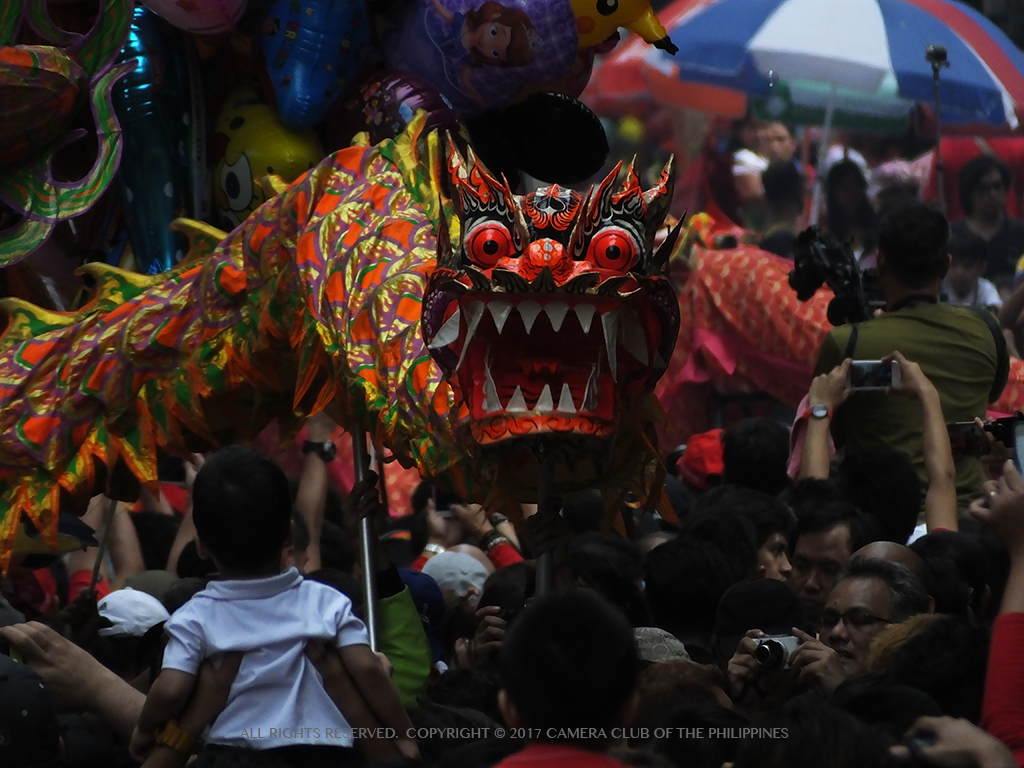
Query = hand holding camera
x=818 y=666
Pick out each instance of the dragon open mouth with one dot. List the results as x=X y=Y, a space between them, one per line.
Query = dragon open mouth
x=548 y=362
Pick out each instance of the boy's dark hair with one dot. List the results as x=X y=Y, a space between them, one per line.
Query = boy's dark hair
x=883 y=484
x=973 y=172
x=913 y=237
x=808 y=495
x=242 y=508
x=731 y=532
x=685 y=579
x=611 y=566
x=816 y=735
x=156 y=532
x=755 y=453
x=967 y=247
x=957 y=562
x=783 y=183
x=948 y=661
x=863 y=530
x=569 y=662
x=767 y=514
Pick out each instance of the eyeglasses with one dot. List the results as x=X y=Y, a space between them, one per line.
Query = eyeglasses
x=855 y=617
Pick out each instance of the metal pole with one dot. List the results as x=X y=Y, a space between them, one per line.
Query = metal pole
x=939 y=168
x=108 y=520
x=545 y=494
x=366 y=540
x=826 y=133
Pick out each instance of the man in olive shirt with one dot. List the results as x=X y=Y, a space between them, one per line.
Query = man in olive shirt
x=963 y=355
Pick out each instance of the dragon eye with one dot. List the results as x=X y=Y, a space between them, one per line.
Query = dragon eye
x=489 y=244
x=612 y=249
x=236 y=183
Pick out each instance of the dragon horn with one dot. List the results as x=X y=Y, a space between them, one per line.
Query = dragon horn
x=661 y=258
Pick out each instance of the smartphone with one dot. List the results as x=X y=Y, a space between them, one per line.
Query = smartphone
x=1018 y=445
x=966 y=438
x=874 y=375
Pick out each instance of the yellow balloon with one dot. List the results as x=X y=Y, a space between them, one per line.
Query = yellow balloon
x=597 y=20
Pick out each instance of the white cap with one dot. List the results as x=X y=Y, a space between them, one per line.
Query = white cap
x=132 y=612
x=456 y=572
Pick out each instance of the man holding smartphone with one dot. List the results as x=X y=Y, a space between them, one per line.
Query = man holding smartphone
x=961 y=350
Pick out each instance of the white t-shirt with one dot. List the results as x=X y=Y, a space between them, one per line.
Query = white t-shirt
x=278 y=698
x=985 y=294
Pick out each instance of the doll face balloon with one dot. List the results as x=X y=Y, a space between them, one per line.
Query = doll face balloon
x=250 y=143
x=482 y=54
x=201 y=17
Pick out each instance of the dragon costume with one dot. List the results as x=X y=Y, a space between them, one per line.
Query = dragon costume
x=466 y=334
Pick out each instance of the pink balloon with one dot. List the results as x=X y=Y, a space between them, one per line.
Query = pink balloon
x=203 y=17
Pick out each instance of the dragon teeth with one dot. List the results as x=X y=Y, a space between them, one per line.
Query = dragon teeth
x=556 y=311
x=518 y=403
x=590 y=396
x=500 y=310
x=585 y=314
x=610 y=322
x=448 y=332
x=529 y=310
x=565 y=404
x=473 y=314
x=633 y=338
x=545 y=403
x=491 y=401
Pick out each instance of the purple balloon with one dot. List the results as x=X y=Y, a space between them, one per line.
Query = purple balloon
x=383 y=104
x=483 y=55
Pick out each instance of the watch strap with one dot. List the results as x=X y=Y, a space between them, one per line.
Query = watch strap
x=171 y=735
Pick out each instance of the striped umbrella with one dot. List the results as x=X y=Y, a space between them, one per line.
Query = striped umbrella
x=851 y=46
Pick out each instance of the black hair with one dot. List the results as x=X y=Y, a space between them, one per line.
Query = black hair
x=474 y=688
x=678 y=496
x=613 y=567
x=156 y=532
x=685 y=579
x=967 y=248
x=864 y=217
x=807 y=495
x=913 y=238
x=335 y=548
x=783 y=183
x=959 y=566
x=948 y=661
x=973 y=172
x=445 y=728
x=755 y=453
x=484 y=753
x=702 y=752
x=907 y=594
x=242 y=508
x=767 y=514
x=183 y=590
x=190 y=564
x=816 y=735
x=569 y=662
x=884 y=485
x=583 y=512
x=510 y=588
x=863 y=530
x=997 y=561
x=874 y=699
x=731 y=532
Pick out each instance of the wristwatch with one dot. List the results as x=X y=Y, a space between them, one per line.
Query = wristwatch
x=325 y=449
x=818 y=411
x=172 y=736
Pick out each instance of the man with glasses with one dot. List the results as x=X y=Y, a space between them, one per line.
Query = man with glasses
x=869 y=596
x=984 y=186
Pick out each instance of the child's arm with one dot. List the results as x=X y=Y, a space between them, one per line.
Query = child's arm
x=167 y=697
x=379 y=692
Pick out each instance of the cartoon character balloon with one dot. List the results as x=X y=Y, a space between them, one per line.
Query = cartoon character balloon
x=597 y=20
x=483 y=55
x=201 y=17
x=250 y=143
x=312 y=51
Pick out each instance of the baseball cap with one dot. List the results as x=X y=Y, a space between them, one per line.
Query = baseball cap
x=701 y=464
x=654 y=644
x=456 y=572
x=429 y=602
x=131 y=613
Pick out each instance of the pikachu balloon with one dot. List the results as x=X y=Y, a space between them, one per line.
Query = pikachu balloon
x=597 y=20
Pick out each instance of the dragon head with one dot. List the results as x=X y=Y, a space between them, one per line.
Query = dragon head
x=551 y=313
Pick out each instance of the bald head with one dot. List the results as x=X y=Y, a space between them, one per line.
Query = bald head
x=895 y=553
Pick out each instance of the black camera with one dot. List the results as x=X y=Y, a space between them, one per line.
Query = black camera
x=823 y=259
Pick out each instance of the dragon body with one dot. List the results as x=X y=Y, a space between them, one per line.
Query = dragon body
x=317 y=302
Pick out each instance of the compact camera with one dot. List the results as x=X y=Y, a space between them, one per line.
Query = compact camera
x=773 y=651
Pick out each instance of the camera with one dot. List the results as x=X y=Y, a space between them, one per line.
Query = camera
x=773 y=651
x=936 y=55
x=873 y=375
x=822 y=259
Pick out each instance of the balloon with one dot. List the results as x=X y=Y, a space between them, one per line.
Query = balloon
x=202 y=17
x=482 y=55
x=597 y=20
x=159 y=107
x=383 y=103
x=312 y=50
x=250 y=142
x=39 y=88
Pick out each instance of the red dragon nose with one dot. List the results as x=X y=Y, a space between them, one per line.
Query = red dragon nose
x=545 y=253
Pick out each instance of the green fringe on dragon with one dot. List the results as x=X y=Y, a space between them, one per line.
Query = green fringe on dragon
x=398 y=286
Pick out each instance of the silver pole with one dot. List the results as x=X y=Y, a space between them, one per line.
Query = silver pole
x=366 y=540
x=545 y=492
